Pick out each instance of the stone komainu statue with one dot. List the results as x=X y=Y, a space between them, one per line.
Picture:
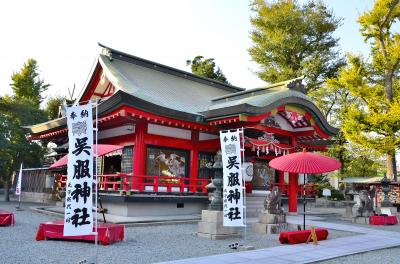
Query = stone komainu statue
x=272 y=203
x=366 y=205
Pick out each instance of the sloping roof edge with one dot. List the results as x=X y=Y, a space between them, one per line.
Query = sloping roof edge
x=293 y=84
x=120 y=98
x=167 y=69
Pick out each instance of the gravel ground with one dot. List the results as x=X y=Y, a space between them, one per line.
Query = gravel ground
x=144 y=244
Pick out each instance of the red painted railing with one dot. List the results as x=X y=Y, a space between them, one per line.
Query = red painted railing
x=147 y=183
x=127 y=182
x=310 y=189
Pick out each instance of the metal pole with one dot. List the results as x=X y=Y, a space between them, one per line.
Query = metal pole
x=304 y=201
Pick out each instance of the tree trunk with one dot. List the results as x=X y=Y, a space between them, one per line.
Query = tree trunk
x=389 y=85
x=7 y=190
x=394 y=167
x=390 y=166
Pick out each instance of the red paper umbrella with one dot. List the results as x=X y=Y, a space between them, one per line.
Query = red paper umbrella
x=305 y=162
x=103 y=150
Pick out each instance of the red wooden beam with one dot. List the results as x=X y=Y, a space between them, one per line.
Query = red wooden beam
x=167 y=120
x=92 y=84
x=212 y=144
x=227 y=120
x=169 y=142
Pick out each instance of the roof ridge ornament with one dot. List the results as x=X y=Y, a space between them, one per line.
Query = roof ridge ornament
x=107 y=52
x=296 y=85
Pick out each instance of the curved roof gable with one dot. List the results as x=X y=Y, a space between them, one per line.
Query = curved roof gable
x=263 y=100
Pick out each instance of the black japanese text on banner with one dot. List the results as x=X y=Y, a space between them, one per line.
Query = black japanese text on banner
x=232 y=179
x=78 y=219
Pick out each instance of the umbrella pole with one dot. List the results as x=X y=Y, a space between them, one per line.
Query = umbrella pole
x=304 y=201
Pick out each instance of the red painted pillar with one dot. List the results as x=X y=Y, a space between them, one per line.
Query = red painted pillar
x=194 y=161
x=293 y=184
x=139 y=155
x=282 y=181
x=293 y=189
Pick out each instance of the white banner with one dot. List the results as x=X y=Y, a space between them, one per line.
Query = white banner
x=78 y=218
x=18 y=187
x=233 y=180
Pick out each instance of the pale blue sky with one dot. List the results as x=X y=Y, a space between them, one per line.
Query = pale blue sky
x=63 y=36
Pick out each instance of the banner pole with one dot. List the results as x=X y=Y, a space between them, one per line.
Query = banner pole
x=96 y=183
x=243 y=183
x=19 y=186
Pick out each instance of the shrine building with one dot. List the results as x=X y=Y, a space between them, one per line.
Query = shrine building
x=168 y=122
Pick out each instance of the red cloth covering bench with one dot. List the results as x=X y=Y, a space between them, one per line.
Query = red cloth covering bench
x=6 y=218
x=108 y=233
x=296 y=237
x=383 y=220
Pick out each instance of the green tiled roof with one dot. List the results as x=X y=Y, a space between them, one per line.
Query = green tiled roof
x=261 y=100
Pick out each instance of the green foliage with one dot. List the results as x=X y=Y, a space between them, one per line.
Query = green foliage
x=362 y=166
x=319 y=179
x=364 y=98
x=371 y=121
x=292 y=39
x=26 y=83
x=206 y=68
x=53 y=105
x=320 y=187
x=336 y=195
x=15 y=113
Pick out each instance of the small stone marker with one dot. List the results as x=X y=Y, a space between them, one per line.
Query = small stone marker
x=326 y=192
x=312 y=236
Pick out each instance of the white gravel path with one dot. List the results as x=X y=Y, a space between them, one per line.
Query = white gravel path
x=145 y=244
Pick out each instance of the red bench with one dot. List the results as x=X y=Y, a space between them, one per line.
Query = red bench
x=383 y=220
x=108 y=233
x=296 y=237
x=6 y=218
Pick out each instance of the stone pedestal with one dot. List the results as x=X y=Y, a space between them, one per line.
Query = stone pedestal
x=270 y=223
x=211 y=226
x=348 y=213
x=361 y=220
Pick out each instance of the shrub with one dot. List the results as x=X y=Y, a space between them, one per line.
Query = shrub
x=336 y=195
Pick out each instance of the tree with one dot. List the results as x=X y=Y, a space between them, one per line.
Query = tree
x=27 y=84
x=15 y=113
x=373 y=119
x=362 y=166
x=206 y=68
x=53 y=105
x=20 y=109
x=291 y=40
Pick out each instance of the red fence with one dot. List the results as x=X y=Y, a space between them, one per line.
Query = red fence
x=127 y=182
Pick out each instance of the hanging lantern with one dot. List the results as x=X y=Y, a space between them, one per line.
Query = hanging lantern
x=253 y=148
x=258 y=151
